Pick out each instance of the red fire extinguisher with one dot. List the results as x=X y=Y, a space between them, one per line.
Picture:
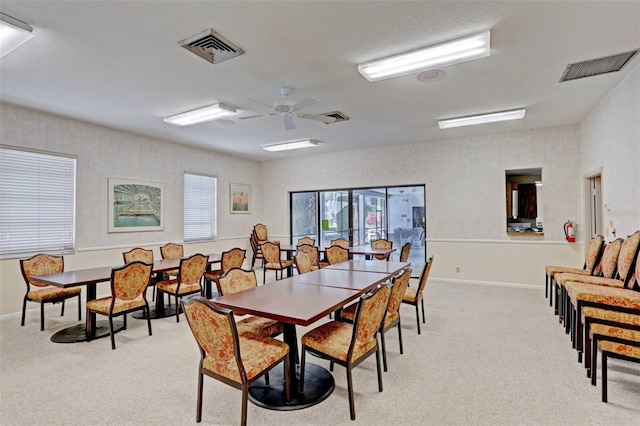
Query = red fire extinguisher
x=570 y=231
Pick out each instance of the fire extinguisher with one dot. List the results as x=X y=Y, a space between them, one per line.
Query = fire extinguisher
x=570 y=231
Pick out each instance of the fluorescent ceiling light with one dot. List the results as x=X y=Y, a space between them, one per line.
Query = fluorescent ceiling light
x=438 y=55
x=200 y=115
x=13 y=33
x=285 y=146
x=493 y=117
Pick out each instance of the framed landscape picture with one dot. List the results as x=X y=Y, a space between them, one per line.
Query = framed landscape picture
x=135 y=206
x=240 y=198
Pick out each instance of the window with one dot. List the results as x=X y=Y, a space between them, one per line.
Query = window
x=37 y=211
x=200 y=211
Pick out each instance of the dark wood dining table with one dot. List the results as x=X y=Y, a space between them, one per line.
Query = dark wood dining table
x=89 y=278
x=299 y=300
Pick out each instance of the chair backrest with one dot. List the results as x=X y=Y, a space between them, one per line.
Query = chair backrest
x=398 y=289
x=369 y=315
x=130 y=281
x=261 y=232
x=192 y=269
x=627 y=255
x=340 y=242
x=381 y=244
x=271 y=252
x=423 y=278
x=233 y=258
x=307 y=240
x=609 y=260
x=172 y=251
x=140 y=254
x=215 y=331
x=336 y=254
x=303 y=262
x=634 y=283
x=40 y=264
x=312 y=251
x=404 y=252
x=235 y=280
x=593 y=253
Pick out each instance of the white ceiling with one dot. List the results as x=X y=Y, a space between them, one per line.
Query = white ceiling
x=118 y=64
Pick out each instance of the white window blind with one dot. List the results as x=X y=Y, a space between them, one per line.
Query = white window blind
x=37 y=203
x=199 y=207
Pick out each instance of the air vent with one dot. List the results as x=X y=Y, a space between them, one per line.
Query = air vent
x=211 y=46
x=339 y=116
x=597 y=66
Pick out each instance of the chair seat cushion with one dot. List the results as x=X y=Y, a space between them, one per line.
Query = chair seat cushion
x=334 y=339
x=258 y=325
x=607 y=282
x=410 y=295
x=552 y=270
x=213 y=274
x=323 y=264
x=171 y=286
x=49 y=293
x=611 y=331
x=258 y=354
x=103 y=305
x=172 y=273
x=609 y=315
x=619 y=348
x=603 y=295
x=283 y=264
x=563 y=277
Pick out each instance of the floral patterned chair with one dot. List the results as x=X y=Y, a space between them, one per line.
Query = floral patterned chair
x=314 y=255
x=228 y=356
x=303 y=262
x=307 y=240
x=235 y=280
x=404 y=252
x=260 y=231
x=392 y=317
x=141 y=255
x=349 y=345
x=622 y=333
x=626 y=347
x=340 y=242
x=172 y=251
x=128 y=293
x=336 y=254
x=382 y=244
x=233 y=258
x=255 y=248
x=273 y=260
x=414 y=296
x=188 y=282
x=44 y=264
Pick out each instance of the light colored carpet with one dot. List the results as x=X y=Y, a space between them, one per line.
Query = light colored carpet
x=486 y=356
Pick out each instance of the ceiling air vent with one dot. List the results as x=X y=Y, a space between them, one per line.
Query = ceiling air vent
x=597 y=66
x=339 y=116
x=211 y=46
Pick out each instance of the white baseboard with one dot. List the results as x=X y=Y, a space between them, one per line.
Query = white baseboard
x=487 y=283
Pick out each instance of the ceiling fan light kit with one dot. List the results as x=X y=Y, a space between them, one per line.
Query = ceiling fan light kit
x=492 y=117
x=438 y=55
x=13 y=33
x=200 y=115
x=286 y=146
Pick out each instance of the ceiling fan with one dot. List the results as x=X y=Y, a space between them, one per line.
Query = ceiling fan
x=289 y=109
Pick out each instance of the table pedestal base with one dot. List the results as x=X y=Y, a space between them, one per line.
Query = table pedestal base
x=169 y=311
x=318 y=385
x=78 y=333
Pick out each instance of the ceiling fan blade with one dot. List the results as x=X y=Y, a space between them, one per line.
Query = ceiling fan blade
x=323 y=118
x=257 y=116
x=305 y=103
x=288 y=122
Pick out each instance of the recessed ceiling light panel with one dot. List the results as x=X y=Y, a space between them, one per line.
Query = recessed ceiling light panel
x=200 y=115
x=286 y=146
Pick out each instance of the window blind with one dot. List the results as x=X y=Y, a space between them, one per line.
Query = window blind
x=37 y=203
x=200 y=212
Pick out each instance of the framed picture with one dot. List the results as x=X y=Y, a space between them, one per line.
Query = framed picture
x=135 y=206
x=240 y=198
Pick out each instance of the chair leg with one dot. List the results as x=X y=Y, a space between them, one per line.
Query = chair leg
x=79 y=307
x=302 y=363
x=24 y=310
x=352 y=408
x=125 y=322
x=422 y=304
x=199 y=404
x=384 y=350
x=267 y=381
x=62 y=310
x=400 y=335
x=177 y=309
x=149 y=319
x=604 y=377
x=594 y=359
x=264 y=275
x=418 y=317
x=113 y=338
x=41 y=316
x=378 y=367
x=89 y=324
x=245 y=399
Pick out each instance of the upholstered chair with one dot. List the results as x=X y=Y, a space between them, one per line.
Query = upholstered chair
x=348 y=345
x=233 y=258
x=256 y=250
x=128 y=293
x=620 y=333
x=303 y=262
x=188 y=282
x=141 y=255
x=273 y=260
x=629 y=351
x=336 y=254
x=404 y=252
x=392 y=317
x=382 y=244
x=414 y=296
x=261 y=233
x=314 y=255
x=44 y=264
x=172 y=251
x=340 y=242
x=235 y=280
x=307 y=240
x=228 y=356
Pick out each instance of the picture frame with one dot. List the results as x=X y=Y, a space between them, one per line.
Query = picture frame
x=240 y=198
x=135 y=206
